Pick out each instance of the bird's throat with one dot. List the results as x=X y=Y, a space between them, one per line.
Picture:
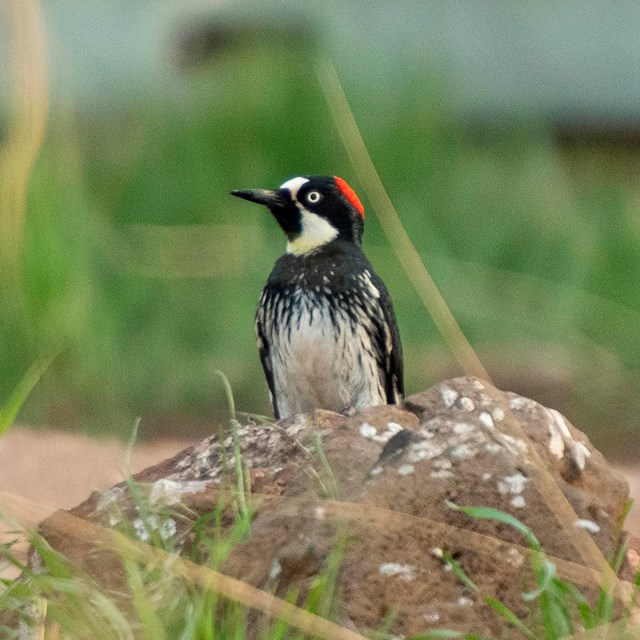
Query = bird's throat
x=315 y=231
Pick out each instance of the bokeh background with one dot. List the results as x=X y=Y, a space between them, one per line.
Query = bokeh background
x=507 y=135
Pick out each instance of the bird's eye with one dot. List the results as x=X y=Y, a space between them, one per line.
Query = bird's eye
x=314 y=196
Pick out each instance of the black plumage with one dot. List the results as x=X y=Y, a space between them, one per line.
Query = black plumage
x=325 y=324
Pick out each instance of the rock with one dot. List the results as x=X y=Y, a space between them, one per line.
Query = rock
x=379 y=480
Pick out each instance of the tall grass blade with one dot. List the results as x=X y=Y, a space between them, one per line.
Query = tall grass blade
x=10 y=409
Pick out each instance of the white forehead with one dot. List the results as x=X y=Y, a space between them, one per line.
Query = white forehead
x=294 y=185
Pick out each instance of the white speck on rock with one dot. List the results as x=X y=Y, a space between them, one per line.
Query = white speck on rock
x=440 y=474
x=478 y=385
x=498 y=414
x=486 y=476
x=486 y=420
x=560 y=437
x=368 y=430
x=515 y=445
x=463 y=428
x=319 y=513
x=403 y=571
x=107 y=498
x=143 y=529
x=463 y=601
x=443 y=463
x=437 y=552
x=465 y=403
x=388 y=433
x=518 y=402
x=169 y=492
x=514 y=557
x=394 y=427
x=518 y=502
x=405 y=470
x=462 y=452
x=589 y=525
x=376 y=471
x=431 y=617
x=512 y=484
x=37 y=566
x=299 y=425
x=424 y=450
x=275 y=570
x=448 y=395
x=493 y=447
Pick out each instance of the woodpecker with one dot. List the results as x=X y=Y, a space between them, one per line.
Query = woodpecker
x=325 y=324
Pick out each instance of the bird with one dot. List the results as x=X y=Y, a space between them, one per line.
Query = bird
x=325 y=325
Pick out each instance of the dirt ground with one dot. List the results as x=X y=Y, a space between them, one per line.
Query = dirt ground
x=59 y=470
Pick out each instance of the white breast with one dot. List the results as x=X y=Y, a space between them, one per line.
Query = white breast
x=319 y=363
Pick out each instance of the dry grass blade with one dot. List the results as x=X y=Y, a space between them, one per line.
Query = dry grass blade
x=401 y=243
x=441 y=314
x=73 y=528
x=27 y=123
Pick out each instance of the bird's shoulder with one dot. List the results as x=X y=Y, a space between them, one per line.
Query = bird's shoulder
x=337 y=267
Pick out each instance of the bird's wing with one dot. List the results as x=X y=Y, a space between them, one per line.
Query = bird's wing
x=265 y=356
x=391 y=360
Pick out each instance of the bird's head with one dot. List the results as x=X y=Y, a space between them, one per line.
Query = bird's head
x=312 y=211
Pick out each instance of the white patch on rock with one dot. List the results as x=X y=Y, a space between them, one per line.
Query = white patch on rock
x=443 y=463
x=37 y=566
x=463 y=428
x=478 y=385
x=319 y=513
x=441 y=474
x=518 y=502
x=515 y=446
x=493 y=447
x=465 y=403
x=405 y=469
x=486 y=476
x=388 y=433
x=589 y=525
x=367 y=430
x=275 y=570
x=403 y=571
x=462 y=452
x=109 y=497
x=448 y=395
x=498 y=414
x=518 y=403
x=169 y=492
x=560 y=437
x=166 y=528
x=423 y=450
x=376 y=471
x=512 y=484
x=437 y=552
x=486 y=420
x=463 y=601
x=431 y=617
x=514 y=557
x=299 y=425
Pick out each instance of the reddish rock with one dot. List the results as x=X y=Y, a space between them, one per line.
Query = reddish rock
x=379 y=481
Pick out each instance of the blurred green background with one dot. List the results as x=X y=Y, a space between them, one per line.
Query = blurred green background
x=508 y=138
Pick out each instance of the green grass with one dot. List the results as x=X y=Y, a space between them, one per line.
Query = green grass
x=138 y=264
x=61 y=601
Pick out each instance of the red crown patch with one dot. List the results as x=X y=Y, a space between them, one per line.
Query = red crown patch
x=349 y=194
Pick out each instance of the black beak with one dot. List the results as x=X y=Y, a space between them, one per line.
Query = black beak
x=268 y=197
